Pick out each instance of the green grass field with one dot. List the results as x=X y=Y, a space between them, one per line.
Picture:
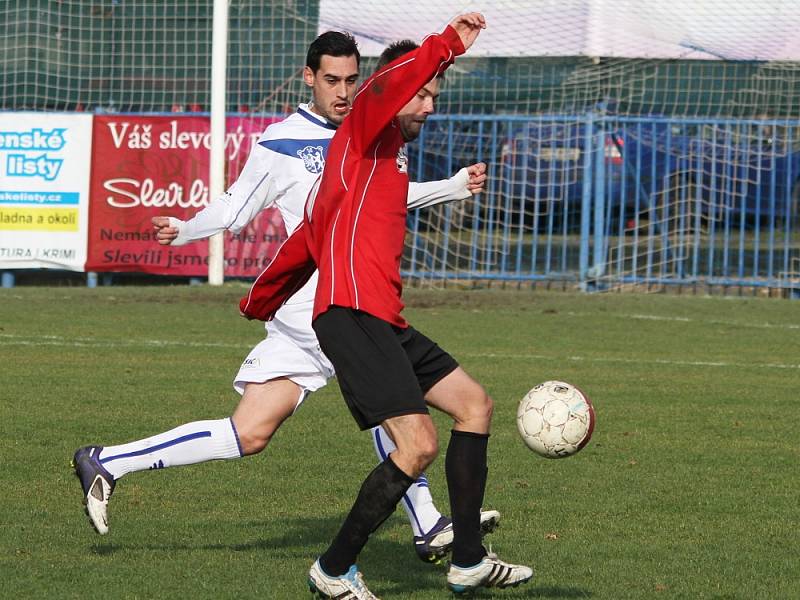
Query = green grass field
x=689 y=488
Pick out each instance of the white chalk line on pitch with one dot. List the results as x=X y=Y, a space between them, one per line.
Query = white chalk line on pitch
x=638 y=361
x=644 y=317
x=7 y=339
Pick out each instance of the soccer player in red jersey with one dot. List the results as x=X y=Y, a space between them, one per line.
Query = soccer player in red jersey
x=389 y=373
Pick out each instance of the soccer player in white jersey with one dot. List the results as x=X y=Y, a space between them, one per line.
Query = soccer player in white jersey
x=284 y=368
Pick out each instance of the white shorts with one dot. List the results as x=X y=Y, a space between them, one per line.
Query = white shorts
x=280 y=356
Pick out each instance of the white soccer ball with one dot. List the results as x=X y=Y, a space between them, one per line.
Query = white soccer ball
x=555 y=419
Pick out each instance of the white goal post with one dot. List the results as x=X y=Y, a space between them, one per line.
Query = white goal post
x=216 y=176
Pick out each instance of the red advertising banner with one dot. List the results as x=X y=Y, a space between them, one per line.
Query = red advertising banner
x=144 y=167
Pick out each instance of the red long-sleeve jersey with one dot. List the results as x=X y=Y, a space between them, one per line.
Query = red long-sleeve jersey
x=355 y=218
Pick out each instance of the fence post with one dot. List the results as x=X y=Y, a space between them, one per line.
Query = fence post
x=599 y=195
x=586 y=198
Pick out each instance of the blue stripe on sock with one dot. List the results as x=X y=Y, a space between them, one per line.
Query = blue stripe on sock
x=406 y=499
x=180 y=440
x=238 y=442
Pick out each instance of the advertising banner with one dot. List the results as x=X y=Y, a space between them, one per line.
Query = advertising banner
x=44 y=183
x=146 y=166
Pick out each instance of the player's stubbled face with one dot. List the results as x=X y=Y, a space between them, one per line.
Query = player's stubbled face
x=412 y=116
x=333 y=86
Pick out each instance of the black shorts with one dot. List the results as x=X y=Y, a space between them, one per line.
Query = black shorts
x=383 y=371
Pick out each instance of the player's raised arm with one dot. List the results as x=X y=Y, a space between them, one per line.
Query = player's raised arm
x=468 y=26
x=388 y=90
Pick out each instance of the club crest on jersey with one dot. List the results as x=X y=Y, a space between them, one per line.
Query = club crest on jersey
x=402 y=160
x=313 y=158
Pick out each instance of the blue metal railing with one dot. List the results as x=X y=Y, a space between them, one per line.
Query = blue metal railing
x=605 y=200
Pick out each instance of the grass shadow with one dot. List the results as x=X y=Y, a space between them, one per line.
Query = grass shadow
x=392 y=563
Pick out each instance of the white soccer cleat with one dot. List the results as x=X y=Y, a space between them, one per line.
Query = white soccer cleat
x=490 y=572
x=435 y=544
x=349 y=586
x=98 y=485
x=490 y=519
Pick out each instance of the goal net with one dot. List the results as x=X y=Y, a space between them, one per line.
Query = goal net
x=628 y=143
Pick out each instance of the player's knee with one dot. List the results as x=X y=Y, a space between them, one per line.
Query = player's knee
x=419 y=458
x=416 y=455
x=479 y=407
x=427 y=451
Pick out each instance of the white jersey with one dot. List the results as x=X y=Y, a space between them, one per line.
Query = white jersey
x=280 y=171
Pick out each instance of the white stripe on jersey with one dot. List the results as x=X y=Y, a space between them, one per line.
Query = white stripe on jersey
x=250 y=196
x=381 y=74
x=341 y=166
x=333 y=234
x=312 y=197
x=358 y=214
x=439 y=68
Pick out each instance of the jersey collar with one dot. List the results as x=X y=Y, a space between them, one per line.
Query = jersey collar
x=304 y=111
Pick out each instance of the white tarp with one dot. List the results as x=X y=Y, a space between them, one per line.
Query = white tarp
x=694 y=29
x=45 y=159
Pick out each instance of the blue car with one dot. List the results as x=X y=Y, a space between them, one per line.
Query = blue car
x=642 y=169
x=749 y=171
x=655 y=169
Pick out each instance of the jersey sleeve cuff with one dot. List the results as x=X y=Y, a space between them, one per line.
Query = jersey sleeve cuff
x=453 y=40
x=461 y=179
x=180 y=226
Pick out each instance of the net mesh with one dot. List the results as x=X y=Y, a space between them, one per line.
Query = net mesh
x=627 y=143
x=148 y=56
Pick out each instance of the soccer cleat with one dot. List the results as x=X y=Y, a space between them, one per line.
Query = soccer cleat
x=434 y=545
x=98 y=485
x=490 y=572
x=349 y=586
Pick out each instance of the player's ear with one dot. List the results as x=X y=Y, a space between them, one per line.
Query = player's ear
x=308 y=76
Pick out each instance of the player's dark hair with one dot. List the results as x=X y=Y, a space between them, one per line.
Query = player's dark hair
x=395 y=50
x=331 y=43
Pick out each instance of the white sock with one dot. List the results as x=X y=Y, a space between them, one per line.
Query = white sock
x=417 y=502
x=188 y=444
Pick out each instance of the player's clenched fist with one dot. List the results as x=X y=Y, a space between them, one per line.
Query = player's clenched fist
x=164 y=233
x=477 y=177
x=468 y=26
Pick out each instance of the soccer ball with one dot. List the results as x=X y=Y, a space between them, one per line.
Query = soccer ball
x=555 y=419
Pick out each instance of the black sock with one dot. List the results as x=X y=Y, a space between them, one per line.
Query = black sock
x=465 y=466
x=381 y=491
